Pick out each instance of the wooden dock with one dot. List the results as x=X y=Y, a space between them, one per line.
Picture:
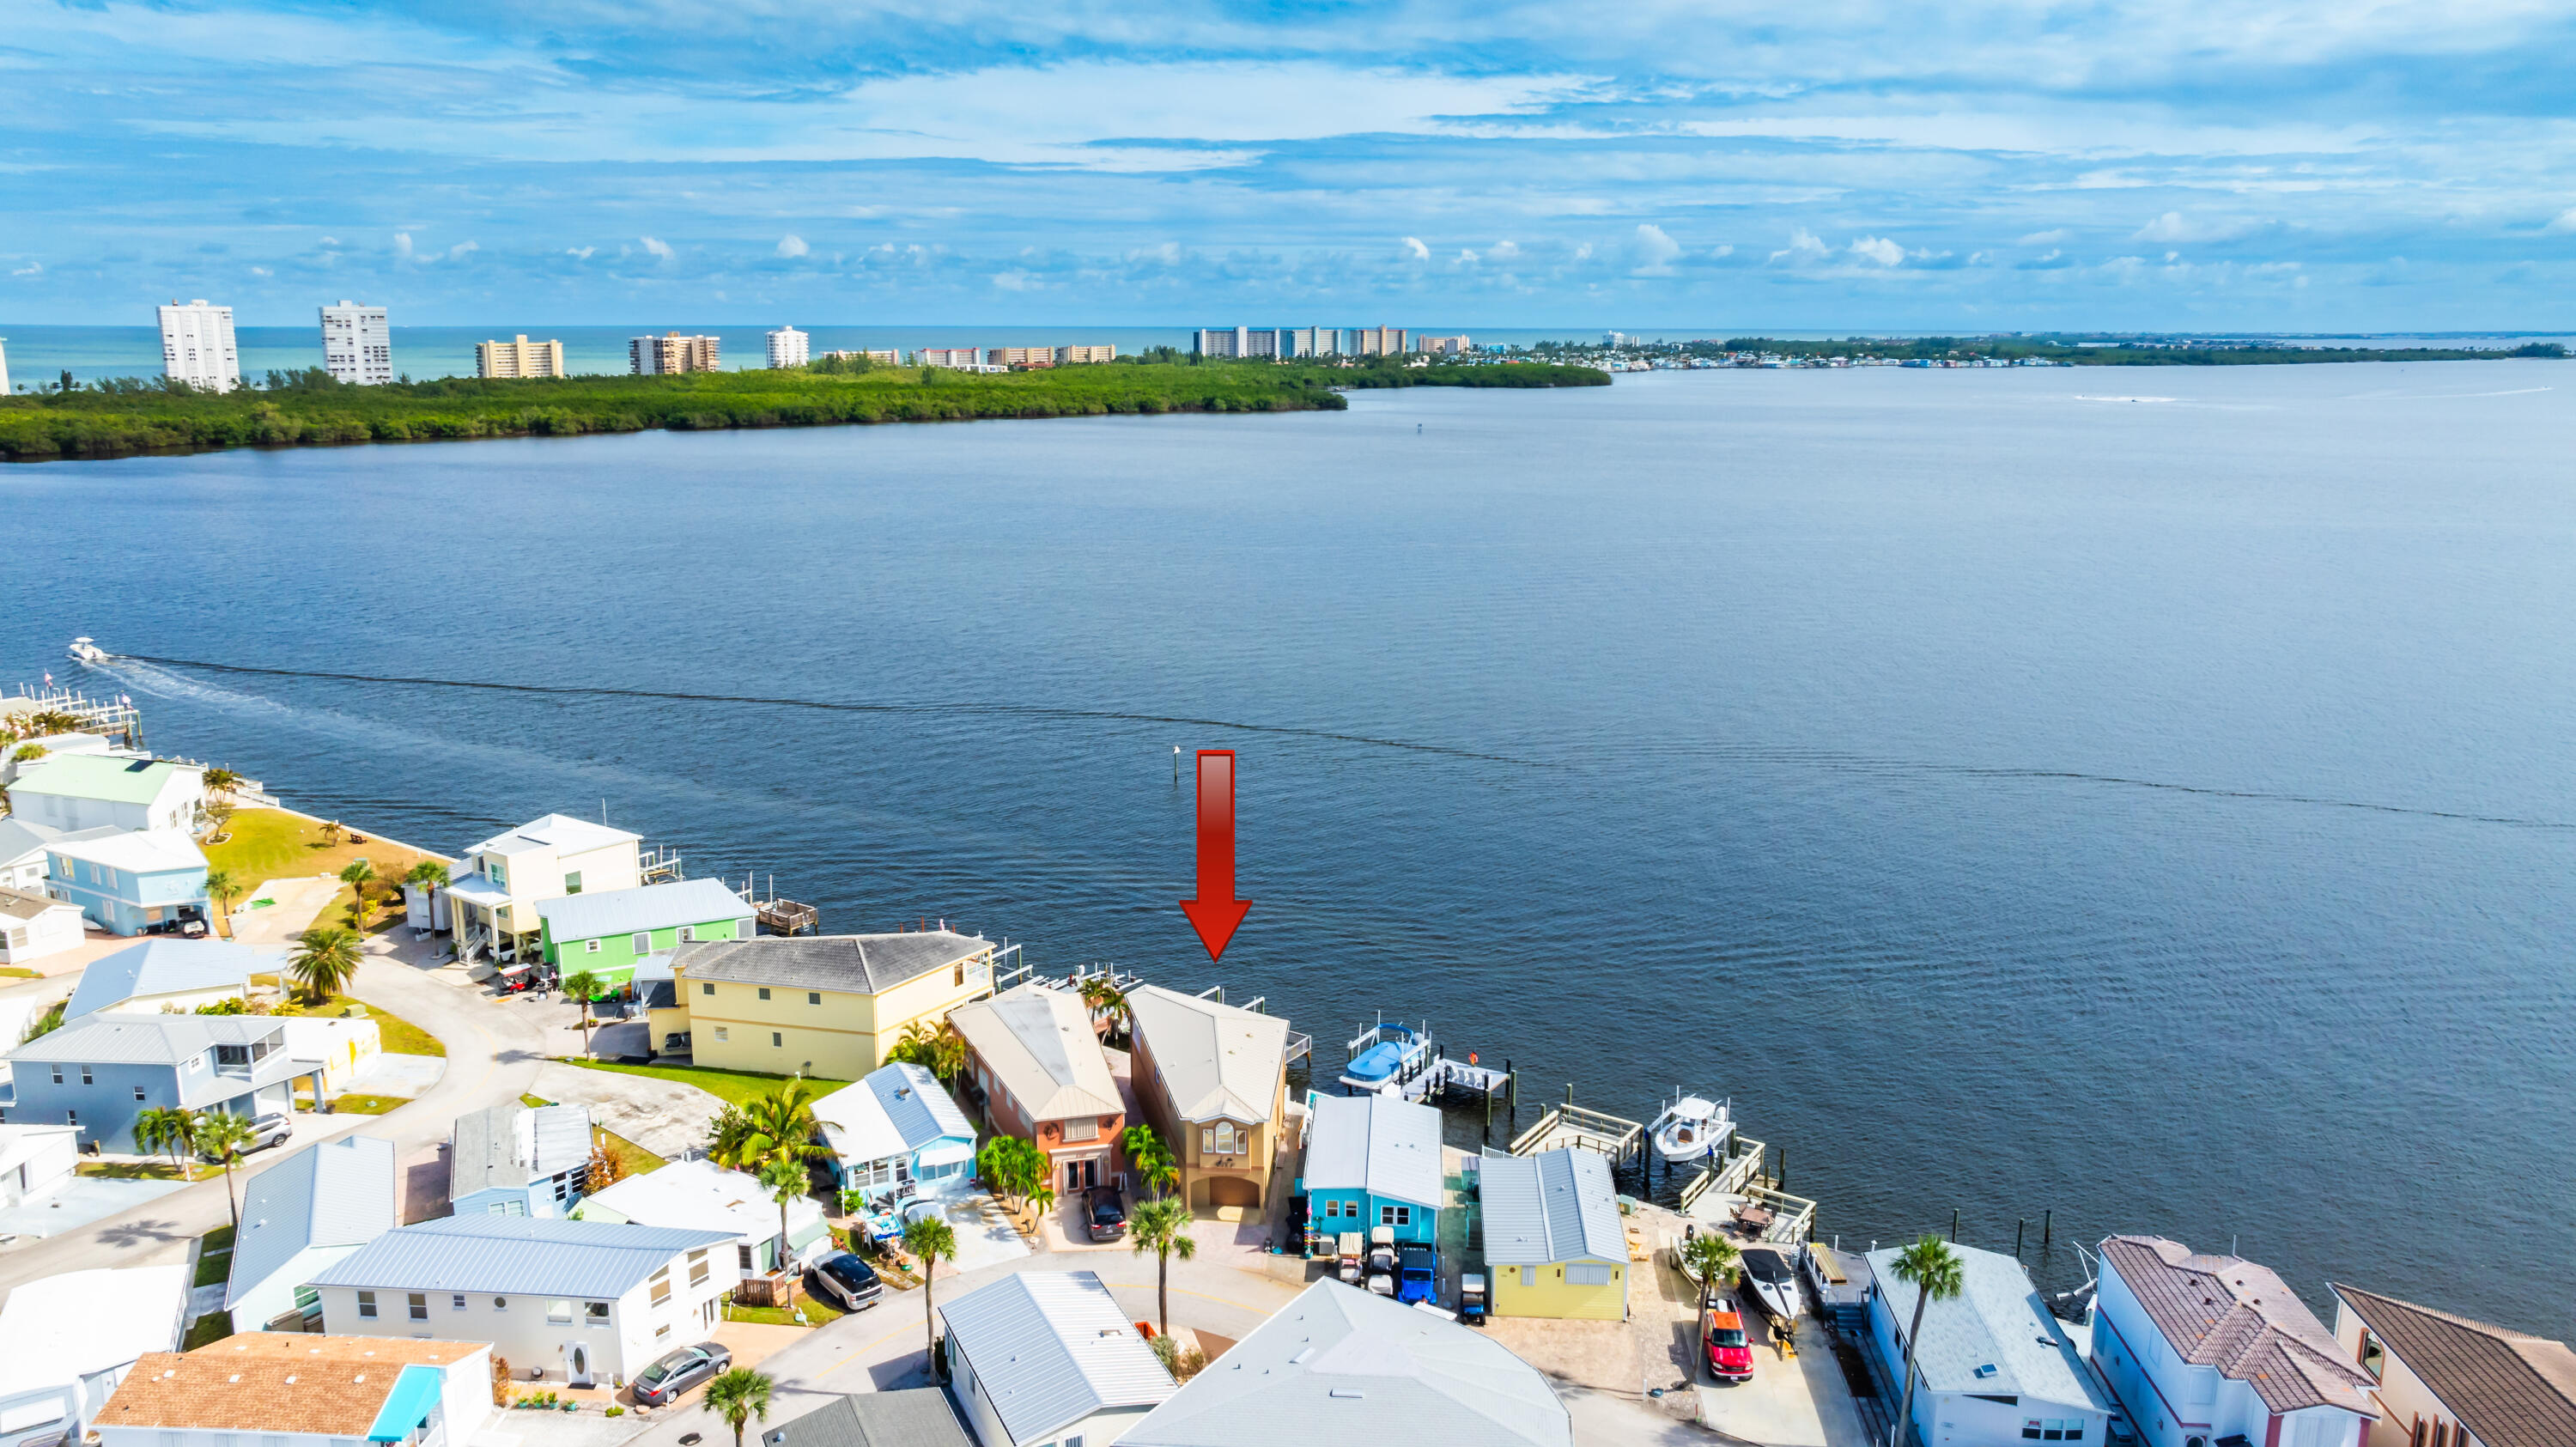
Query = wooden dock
x=1573 y=1126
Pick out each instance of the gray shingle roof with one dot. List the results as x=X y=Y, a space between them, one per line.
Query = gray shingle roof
x=2228 y=1313
x=1343 y=1368
x=920 y=1417
x=2509 y=1388
x=338 y=1193
x=29 y=904
x=1556 y=1206
x=1997 y=1319
x=516 y=1255
x=859 y=964
x=167 y=967
x=1213 y=1061
x=1052 y=1347
x=1378 y=1144
x=630 y=911
x=511 y=1145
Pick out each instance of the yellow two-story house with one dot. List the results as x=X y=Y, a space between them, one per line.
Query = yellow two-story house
x=1553 y=1243
x=827 y=1005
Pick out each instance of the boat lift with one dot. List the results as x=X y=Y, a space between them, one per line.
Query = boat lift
x=1393 y=1058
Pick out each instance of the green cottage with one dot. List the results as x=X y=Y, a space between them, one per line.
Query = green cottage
x=605 y=934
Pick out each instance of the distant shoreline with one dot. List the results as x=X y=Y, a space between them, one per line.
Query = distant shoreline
x=307 y=409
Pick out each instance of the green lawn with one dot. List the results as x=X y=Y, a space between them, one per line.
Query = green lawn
x=21 y=972
x=214 y=1326
x=265 y=844
x=147 y=1171
x=367 y=1104
x=817 y=1311
x=215 y=1258
x=737 y=1086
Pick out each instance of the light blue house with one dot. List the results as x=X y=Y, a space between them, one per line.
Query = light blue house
x=172 y=974
x=896 y=1131
x=310 y=1210
x=127 y=881
x=99 y=1073
x=1373 y=1160
x=515 y=1160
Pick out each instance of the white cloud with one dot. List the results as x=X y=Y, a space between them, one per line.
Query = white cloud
x=1723 y=252
x=1654 y=251
x=581 y=253
x=792 y=244
x=2046 y=238
x=1505 y=250
x=1018 y=279
x=33 y=268
x=261 y=271
x=461 y=248
x=2566 y=220
x=1466 y=257
x=660 y=248
x=402 y=244
x=2175 y=226
x=1804 y=245
x=1419 y=252
x=1878 y=249
x=330 y=240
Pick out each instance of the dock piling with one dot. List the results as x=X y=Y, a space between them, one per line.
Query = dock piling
x=2047 y=1224
x=1954 y=1224
x=2020 y=1224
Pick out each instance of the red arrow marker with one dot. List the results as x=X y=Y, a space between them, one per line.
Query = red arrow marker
x=1216 y=911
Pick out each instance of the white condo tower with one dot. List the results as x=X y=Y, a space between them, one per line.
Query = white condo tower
x=787 y=348
x=357 y=344
x=197 y=346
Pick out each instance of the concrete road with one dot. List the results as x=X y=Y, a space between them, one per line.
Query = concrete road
x=493 y=1050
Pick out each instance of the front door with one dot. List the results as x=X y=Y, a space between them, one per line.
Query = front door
x=577 y=1364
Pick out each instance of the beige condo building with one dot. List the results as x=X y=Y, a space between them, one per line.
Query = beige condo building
x=518 y=357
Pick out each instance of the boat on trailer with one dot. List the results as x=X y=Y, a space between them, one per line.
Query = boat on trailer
x=1692 y=1127
x=1771 y=1281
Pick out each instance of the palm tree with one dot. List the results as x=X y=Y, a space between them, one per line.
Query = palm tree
x=221 y=780
x=581 y=987
x=167 y=1128
x=221 y=887
x=931 y=1241
x=358 y=876
x=785 y=1181
x=781 y=1128
x=737 y=1396
x=1162 y=1226
x=225 y=1136
x=1713 y=1257
x=1933 y=1270
x=429 y=876
x=1152 y=1159
x=324 y=962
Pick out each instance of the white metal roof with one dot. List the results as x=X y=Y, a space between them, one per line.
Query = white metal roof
x=650 y=907
x=1339 y=1367
x=516 y=1255
x=1375 y=1143
x=337 y=1193
x=1996 y=1321
x=700 y=1196
x=1040 y=1043
x=62 y=1328
x=1215 y=1061
x=1555 y=1206
x=167 y=966
x=1052 y=1347
x=141 y=851
x=895 y=1109
x=561 y=833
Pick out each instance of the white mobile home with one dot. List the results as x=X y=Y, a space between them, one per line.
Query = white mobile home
x=1048 y=1357
x=1996 y=1369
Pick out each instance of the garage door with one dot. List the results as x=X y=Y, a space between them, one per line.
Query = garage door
x=1233 y=1191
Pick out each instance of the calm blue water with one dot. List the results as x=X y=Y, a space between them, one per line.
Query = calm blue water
x=2142 y=795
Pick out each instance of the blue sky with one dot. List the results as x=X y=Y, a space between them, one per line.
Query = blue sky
x=1976 y=165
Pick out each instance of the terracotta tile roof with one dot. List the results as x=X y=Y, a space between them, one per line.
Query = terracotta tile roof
x=2509 y=1388
x=329 y=1386
x=2228 y=1313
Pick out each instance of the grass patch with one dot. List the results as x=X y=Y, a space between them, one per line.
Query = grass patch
x=266 y=844
x=214 y=1326
x=215 y=1258
x=147 y=1171
x=817 y=1311
x=633 y=1157
x=739 y=1086
x=367 y=1104
x=21 y=972
x=535 y=1102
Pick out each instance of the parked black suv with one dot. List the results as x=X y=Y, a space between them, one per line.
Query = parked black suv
x=845 y=1281
x=1108 y=1214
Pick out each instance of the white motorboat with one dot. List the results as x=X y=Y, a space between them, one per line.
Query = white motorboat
x=1771 y=1281
x=1692 y=1128
x=84 y=650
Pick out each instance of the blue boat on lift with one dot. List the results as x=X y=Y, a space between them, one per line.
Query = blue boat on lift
x=1386 y=1056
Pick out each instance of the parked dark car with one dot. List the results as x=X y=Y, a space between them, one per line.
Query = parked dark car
x=675 y=1372
x=1108 y=1214
x=845 y=1281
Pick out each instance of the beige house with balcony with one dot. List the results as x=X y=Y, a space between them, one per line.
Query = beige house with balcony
x=827 y=1005
x=1213 y=1080
x=2453 y=1381
x=497 y=885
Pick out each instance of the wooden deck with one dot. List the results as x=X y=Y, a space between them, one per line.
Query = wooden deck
x=1584 y=1130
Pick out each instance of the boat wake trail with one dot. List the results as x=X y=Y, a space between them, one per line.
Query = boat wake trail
x=991 y=710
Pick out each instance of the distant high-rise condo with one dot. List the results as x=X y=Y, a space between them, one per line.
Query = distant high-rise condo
x=518 y=358
x=1443 y=346
x=1065 y=356
x=1310 y=342
x=787 y=348
x=884 y=359
x=1614 y=339
x=1222 y=342
x=1019 y=356
x=1373 y=341
x=671 y=352
x=4 y=369
x=197 y=346
x=948 y=357
x=357 y=344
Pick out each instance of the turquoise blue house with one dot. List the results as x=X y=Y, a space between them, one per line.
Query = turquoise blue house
x=129 y=881
x=1373 y=1160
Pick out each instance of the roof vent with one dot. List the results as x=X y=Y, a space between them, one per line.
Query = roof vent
x=1987 y=1370
x=360 y=1377
x=1354 y=1393
x=235 y=1377
x=290 y=1379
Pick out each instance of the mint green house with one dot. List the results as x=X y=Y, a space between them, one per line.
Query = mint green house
x=605 y=934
